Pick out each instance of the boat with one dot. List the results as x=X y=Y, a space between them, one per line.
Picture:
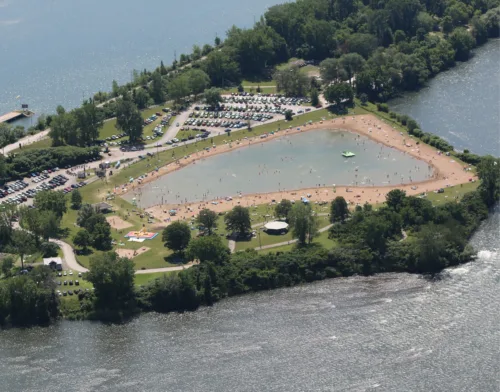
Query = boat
x=348 y=154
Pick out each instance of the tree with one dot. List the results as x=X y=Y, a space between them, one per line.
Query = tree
x=363 y=98
x=431 y=247
x=21 y=244
x=7 y=264
x=82 y=239
x=463 y=42
x=208 y=248
x=206 y=49
x=447 y=24
x=208 y=219
x=283 y=208
x=85 y=212
x=238 y=220
x=76 y=199
x=113 y=280
x=63 y=128
x=292 y=81
x=489 y=174
x=339 y=93
x=314 y=97
x=331 y=70
x=163 y=70
x=304 y=224
x=362 y=44
x=101 y=236
x=88 y=121
x=198 y=81
x=140 y=97
x=157 y=88
x=176 y=236
x=54 y=201
x=128 y=118
x=196 y=54
x=288 y=115
x=178 y=88
x=217 y=41
x=458 y=13
x=221 y=67
x=352 y=63
x=213 y=97
x=395 y=199
x=339 y=211
x=50 y=224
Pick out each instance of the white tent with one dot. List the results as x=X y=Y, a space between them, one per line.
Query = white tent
x=276 y=226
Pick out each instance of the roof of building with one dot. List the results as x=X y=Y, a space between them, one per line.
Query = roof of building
x=276 y=225
x=50 y=260
x=102 y=206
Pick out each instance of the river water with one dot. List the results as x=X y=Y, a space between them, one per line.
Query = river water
x=57 y=52
x=462 y=105
x=289 y=162
x=393 y=332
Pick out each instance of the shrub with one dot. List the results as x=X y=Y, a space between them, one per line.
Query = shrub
x=49 y=249
x=411 y=125
x=383 y=107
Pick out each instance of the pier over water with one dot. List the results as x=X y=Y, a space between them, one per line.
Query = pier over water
x=15 y=115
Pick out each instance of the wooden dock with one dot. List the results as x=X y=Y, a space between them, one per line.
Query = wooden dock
x=15 y=115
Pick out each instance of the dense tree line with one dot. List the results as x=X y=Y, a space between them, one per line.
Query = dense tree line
x=29 y=299
x=23 y=163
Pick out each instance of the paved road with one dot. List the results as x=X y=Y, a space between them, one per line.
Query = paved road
x=69 y=256
x=165 y=269
x=25 y=140
x=71 y=263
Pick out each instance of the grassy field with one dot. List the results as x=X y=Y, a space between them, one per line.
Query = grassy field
x=268 y=239
x=44 y=143
x=321 y=239
x=452 y=193
x=143 y=279
x=153 y=258
x=306 y=69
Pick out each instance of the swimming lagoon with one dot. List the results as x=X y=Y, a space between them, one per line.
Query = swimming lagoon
x=296 y=161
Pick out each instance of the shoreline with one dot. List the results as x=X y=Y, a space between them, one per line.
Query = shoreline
x=446 y=170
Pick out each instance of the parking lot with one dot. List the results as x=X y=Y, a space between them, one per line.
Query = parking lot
x=20 y=191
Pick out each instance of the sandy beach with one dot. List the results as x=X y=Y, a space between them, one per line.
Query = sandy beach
x=446 y=171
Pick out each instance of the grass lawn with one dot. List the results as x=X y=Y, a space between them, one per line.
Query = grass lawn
x=452 y=192
x=143 y=279
x=44 y=143
x=153 y=258
x=109 y=128
x=321 y=239
x=268 y=239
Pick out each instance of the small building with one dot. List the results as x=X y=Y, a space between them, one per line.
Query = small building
x=103 y=207
x=276 y=227
x=54 y=263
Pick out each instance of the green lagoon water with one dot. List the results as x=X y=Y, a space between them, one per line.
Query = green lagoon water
x=287 y=163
